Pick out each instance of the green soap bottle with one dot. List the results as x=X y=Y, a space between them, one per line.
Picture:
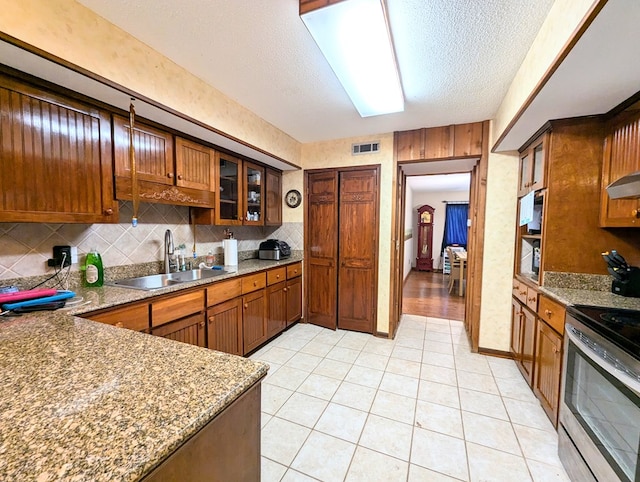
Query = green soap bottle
x=93 y=272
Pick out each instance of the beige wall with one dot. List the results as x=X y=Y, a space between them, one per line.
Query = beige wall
x=70 y=31
x=337 y=153
x=499 y=236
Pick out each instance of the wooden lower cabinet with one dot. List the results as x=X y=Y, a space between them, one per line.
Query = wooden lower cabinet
x=241 y=314
x=224 y=327
x=523 y=334
x=190 y=329
x=226 y=449
x=254 y=329
x=294 y=300
x=277 y=308
x=133 y=317
x=548 y=370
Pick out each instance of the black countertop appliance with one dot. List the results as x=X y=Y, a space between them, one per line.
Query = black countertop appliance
x=626 y=279
x=274 y=249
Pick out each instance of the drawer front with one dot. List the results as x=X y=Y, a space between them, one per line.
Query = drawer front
x=276 y=275
x=294 y=270
x=552 y=312
x=254 y=282
x=521 y=292
x=532 y=299
x=131 y=317
x=176 y=307
x=223 y=291
x=515 y=288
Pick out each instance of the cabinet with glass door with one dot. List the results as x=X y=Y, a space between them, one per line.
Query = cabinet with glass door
x=229 y=207
x=532 y=165
x=254 y=179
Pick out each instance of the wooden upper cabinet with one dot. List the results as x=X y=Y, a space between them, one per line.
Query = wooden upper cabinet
x=438 y=142
x=195 y=165
x=273 y=208
x=410 y=145
x=533 y=161
x=446 y=142
x=153 y=152
x=467 y=140
x=621 y=157
x=185 y=179
x=55 y=158
x=254 y=194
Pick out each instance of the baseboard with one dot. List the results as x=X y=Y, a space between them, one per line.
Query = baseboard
x=496 y=353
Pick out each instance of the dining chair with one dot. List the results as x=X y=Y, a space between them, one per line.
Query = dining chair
x=454 y=271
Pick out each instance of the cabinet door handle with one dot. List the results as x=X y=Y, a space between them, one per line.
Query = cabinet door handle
x=255 y=283
x=277 y=276
x=548 y=312
x=246 y=305
x=179 y=177
x=210 y=319
x=108 y=211
x=202 y=324
x=635 y=213
x=523 y=293
x=532 y=300
x=170 y=175
x=285 y=290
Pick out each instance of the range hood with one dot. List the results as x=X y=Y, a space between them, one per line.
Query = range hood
x=626 y=187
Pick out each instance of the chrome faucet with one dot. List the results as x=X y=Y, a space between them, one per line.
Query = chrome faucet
x=168 y=251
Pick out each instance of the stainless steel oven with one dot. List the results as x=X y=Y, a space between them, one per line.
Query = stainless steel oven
x=599 y=430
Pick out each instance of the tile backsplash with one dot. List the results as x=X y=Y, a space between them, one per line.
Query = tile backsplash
x=26 y=247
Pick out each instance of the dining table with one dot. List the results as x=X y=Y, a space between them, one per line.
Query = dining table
x=462 y=257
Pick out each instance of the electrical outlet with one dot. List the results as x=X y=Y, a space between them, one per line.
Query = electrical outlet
x=74 y=255
x=61 y=256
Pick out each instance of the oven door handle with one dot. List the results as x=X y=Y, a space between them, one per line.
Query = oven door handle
x=620 y=375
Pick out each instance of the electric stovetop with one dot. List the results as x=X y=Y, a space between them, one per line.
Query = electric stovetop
x=619 y=326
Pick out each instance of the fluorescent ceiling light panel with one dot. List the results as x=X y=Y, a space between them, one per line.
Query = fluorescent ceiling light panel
x=354 y=37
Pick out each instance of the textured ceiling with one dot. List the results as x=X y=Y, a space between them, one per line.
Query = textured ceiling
x=456 y=58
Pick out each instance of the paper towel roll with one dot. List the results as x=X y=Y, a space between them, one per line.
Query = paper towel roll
x=230 y=247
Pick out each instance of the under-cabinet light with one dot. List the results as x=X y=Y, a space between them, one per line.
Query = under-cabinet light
x=354 y=37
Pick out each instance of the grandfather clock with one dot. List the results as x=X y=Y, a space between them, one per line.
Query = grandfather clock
x=424 y=261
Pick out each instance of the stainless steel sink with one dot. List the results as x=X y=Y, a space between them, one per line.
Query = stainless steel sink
x=157 y=281
x=196 y=274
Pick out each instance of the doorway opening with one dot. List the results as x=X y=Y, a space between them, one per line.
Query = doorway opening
x=434 y=268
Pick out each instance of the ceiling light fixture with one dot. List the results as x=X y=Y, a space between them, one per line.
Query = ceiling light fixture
x=354 y=37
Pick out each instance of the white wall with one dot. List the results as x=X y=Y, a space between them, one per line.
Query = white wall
x=433 y=199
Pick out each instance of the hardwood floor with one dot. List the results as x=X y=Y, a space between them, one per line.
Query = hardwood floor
x=425 y=293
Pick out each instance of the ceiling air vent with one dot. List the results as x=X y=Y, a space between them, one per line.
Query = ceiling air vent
x=366 y=148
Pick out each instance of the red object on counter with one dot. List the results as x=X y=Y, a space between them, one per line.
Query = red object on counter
x=26 y=295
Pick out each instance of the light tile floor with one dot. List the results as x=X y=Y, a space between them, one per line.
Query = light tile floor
x=345 y=406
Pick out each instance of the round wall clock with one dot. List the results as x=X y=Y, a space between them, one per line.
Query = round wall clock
x=293 y=198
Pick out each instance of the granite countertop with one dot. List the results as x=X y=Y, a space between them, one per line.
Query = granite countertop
x=606 y=299
x=109 y=296
x=83 y=400
x=585 y=289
